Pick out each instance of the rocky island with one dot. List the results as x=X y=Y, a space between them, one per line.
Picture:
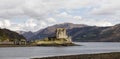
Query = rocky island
x=60 y=39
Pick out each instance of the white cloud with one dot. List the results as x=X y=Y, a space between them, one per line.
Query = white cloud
x=42 y=13
x=77 y=17
x=96 y=22
x=1 y=23
x=102 y=23
x=5 y=23
x=30 y=23
x=9 y=25
x=38 y=8
x=50 y=20
x=107 y=7
x=43 y=23
x=64 y=15
x=17 y=27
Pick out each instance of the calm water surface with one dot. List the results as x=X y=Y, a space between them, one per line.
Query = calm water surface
x=86 y=48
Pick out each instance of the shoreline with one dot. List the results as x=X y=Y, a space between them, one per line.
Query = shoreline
x=41 y=45
x=111 y=55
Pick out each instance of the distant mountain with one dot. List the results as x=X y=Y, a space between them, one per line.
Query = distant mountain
x=20 y=32
x=8 y=34
x=87 y=34
x=50 y=31
x=80 y=32
x=27 y=35
x=98 y=34
x=111 y=34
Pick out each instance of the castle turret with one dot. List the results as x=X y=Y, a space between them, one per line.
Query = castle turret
x=61 y=33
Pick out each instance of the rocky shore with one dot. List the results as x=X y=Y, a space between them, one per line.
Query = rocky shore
x=113 y=55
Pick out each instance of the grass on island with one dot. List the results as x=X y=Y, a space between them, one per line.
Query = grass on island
x=65 y=44
x=54 y=43
x=114 y=55
x=12 y=45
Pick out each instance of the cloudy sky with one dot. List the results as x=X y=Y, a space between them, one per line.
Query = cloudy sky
x=32 y=15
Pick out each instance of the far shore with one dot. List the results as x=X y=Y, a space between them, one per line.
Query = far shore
x=41 y=45
x=112 y=55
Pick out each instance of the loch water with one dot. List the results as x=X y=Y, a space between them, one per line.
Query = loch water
x=31 y=52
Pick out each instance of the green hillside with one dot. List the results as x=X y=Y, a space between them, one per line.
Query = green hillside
x=6 y=34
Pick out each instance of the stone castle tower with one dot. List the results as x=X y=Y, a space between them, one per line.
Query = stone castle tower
x=62 y=34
